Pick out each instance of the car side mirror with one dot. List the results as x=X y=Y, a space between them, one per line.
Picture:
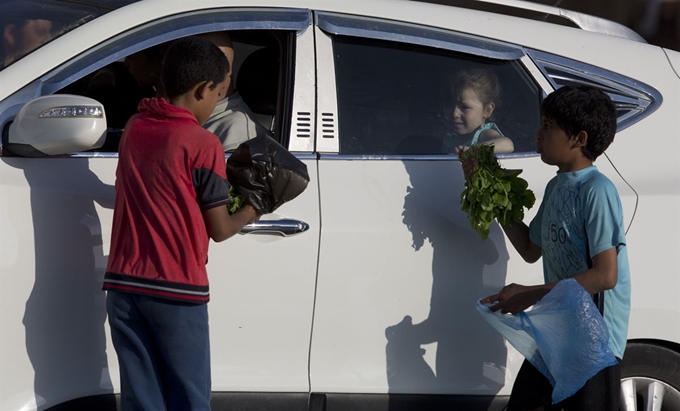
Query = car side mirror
x=57 y=124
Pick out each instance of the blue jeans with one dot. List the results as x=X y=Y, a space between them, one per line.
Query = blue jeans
x=163 y=352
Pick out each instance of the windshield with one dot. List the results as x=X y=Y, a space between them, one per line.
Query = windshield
x=28 y=24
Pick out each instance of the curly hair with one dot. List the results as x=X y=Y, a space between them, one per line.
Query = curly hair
x=190 y=61
x=583 y=108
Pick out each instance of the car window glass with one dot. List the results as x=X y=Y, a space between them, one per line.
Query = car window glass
x=256 y=66
x=398 y=99
x=28 y=24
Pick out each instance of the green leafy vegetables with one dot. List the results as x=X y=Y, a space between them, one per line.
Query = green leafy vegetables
x=492 y=192
x=237 y=200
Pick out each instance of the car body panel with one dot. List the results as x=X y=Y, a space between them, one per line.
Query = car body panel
x=56 y=234
x=261 y=311
x=408 y=252
x=674 y=58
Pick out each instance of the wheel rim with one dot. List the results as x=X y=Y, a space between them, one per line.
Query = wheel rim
x=648 y=394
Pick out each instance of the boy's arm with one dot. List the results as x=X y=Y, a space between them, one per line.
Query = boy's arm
x=604 y=273
x=221 y=225
x=515 y=298
x=518 y=234
x=603 y=215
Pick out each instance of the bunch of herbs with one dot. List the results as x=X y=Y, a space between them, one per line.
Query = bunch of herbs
x=493 y=192
x=237 y=200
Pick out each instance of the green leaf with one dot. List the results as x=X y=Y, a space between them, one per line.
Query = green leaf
x=493 y=192
x=237 y=200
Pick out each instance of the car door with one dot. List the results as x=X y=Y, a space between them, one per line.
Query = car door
x=56 y=227
x=400 y=268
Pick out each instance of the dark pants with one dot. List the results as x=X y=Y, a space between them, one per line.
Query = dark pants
x=532 y=390
x=163 y=352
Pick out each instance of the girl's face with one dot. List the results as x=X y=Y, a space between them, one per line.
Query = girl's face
x=469 y=112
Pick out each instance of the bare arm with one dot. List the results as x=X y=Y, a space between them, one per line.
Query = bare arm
x=501 y=144
x=603 y=275
x=515 y=298
x=221 y=225
x=518 y=234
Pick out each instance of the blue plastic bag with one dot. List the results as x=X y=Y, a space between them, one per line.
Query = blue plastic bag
x=564 y=336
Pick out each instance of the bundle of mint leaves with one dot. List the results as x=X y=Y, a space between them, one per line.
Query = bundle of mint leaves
x=493 y=192
x=237 y=200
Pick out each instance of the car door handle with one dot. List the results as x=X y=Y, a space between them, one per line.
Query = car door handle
x=284 y=228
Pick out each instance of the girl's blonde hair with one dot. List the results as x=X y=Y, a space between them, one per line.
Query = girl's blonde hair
x=482 y=80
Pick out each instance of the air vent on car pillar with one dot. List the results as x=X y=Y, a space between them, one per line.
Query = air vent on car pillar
x=327 y=125
x=303 y=124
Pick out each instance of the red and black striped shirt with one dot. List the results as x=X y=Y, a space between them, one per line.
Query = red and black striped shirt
x=170 y=170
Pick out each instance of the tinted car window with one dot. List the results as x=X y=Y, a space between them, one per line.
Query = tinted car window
x=29 y=24
x=397 y=99
x=121 y=85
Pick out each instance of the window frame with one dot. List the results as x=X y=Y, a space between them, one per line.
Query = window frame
x=637 y=100
x=159 y=31
x=332 y=24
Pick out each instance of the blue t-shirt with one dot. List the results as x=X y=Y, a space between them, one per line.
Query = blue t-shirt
x=582 y=211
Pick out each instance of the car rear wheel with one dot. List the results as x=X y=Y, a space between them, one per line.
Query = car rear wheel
x=650 y=378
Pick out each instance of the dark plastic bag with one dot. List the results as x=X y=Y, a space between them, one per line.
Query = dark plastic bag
x=564 y=336
x=266 y=174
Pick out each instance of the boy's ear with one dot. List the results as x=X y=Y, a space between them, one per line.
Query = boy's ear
x=582 y=138
x=202 y=90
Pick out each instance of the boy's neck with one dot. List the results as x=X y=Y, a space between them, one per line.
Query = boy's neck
x=184 y=101
x=576 y=165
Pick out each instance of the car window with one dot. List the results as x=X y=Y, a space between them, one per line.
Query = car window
x=271 y=35
x=399 y=99
x=256 y=70
x=28 y=24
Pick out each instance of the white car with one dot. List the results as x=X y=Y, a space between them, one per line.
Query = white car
x=359 y=294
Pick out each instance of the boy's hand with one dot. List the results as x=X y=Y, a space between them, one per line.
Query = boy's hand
x=467 y=165
x=254 y=215
x=515 y=298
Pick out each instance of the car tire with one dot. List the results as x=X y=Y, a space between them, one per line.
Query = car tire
x=650 y=378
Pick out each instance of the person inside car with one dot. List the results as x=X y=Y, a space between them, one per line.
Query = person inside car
x=475 y=95
x=121 y=85
x=232 y=121
x=145 y=67
x=21 y=36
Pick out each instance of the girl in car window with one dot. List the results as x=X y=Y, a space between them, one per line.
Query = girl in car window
x=474 y=94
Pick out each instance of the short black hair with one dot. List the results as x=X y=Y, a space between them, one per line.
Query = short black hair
x=190 y=61
x=583 y=108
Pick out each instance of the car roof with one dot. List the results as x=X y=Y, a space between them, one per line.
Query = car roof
x=550 y=14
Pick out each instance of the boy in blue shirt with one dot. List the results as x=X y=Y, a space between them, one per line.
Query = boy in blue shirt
x=579 y=232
